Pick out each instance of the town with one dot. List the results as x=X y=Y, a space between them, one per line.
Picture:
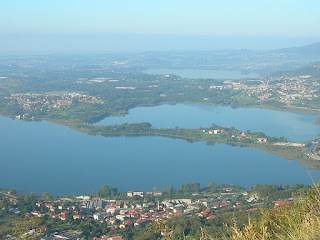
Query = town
x=32 y=102
x=133 y=209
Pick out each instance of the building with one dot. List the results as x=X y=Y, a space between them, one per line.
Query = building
x=121 y=218
x=140 y=194
x=98 y=216
x=95 y=204
x=66 y=235
x=142 y=222
x=262 y=140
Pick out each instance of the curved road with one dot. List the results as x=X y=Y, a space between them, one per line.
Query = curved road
x=310 y=151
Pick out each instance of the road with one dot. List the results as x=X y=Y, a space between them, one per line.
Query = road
x=310 y=151
x=7 y=195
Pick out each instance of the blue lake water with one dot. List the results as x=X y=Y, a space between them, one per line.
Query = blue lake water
x=45 y=157
x=198 y=73
x=294 y=126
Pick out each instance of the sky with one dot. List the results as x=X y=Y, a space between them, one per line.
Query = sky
x=121 y=25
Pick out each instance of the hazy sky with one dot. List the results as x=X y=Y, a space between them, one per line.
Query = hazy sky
x=135 y=24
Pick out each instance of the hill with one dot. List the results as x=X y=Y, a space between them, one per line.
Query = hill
x=312 y=69
x=309 y=51
x=299 y=220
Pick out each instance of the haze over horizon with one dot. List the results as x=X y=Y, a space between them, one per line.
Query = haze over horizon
x=118 y=26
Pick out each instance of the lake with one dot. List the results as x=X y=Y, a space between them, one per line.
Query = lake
x=45 y=157
x=294 y=126
x=198 y=73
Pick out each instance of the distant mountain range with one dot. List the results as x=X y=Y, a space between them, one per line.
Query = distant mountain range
x=311 y=51
x=305 y=60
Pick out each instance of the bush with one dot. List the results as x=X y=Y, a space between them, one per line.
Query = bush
x=300 y=220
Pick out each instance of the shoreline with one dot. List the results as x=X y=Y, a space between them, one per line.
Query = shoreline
x=293 y=109
x=286 y=152
x=80 y=127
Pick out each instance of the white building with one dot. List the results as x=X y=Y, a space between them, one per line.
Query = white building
x=138 y=194
x=98 y=216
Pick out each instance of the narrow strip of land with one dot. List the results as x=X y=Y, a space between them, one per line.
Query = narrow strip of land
x=303 y=152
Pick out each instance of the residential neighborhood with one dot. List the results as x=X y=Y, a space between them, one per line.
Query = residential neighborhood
x=134 y=210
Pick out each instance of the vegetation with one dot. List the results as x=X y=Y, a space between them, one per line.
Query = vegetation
x=105 y=192
x=269 y=192
x=227 y=135
x=228 y=222
x=193 y=227
x=80 y=93
x=300 y=220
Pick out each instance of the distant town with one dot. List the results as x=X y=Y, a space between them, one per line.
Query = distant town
x=292 y=92
x=77 y=94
